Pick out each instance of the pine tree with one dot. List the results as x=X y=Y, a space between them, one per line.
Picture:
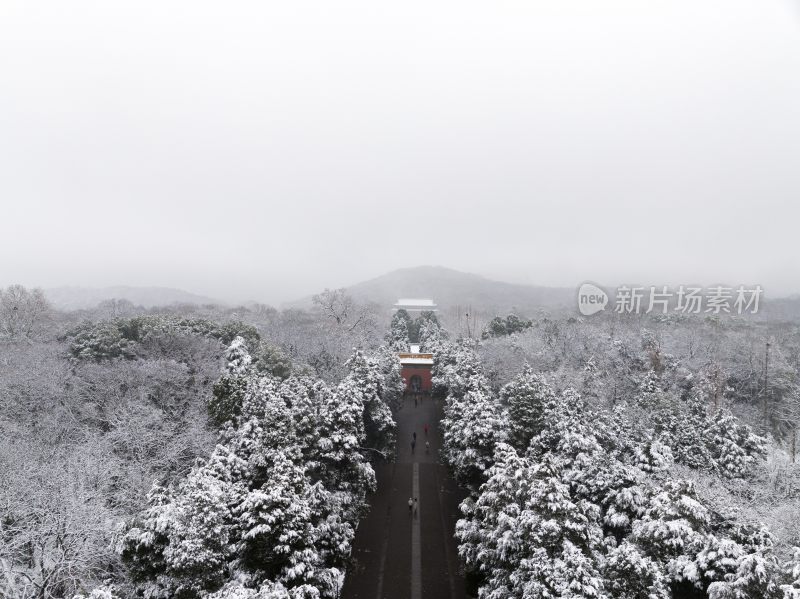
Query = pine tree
x=630 y=574
x=489 y=537
x=791 y=569
x=393 y=385
x=733 y=446
x=473 y=426
x=229 y=391
x=649 y=390
x=672 y=530
x=276 y=521
x=754 y=578
x=237 y=357
x=367 y=377
x=652 y=455
x=525 y=397
x=456 y=369
x=272 y=512
x=181 y=545
x=398 y=336
x=431 y=334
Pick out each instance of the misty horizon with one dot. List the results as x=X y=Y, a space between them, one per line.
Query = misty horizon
x=270 y=152
x=282 y=302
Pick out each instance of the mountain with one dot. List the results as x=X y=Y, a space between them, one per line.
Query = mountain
x=451 y=288
x=78 y=298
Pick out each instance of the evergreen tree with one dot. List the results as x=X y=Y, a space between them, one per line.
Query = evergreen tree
x=368 y=378
x=226 y=403
x=791 y=590
x=272 y=512
x=473 y=426
x=271 y=360
x=525 y=398
x=630 y=574
x=733 y=446
x=431 y=334
x=398 y=337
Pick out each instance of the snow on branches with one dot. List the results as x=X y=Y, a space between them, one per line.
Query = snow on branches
x=272 y=512
x=571 y=501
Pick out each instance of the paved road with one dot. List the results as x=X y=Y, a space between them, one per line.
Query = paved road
x=399 y=554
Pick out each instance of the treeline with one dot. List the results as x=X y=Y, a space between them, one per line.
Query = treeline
x=81 y=442
x=573 y=499
x=404 y=330
x=502 y=327
x=272 y=512
x=22 y=312
x=97 y=404
x=751 y=367
x=126 y=337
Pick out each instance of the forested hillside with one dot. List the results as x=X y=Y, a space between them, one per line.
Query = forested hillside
x=604 y=459
x=227 y=453
x=105 y=413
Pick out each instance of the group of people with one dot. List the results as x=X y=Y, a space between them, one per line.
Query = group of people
x=414 y=441
x=413 y=502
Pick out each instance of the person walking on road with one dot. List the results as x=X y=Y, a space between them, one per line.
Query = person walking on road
x=427 y=446
x=416 y=503
x=410 y=505
x=414 y=435
x=426 y=429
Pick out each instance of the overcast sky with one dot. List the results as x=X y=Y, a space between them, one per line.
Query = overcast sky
x=265 y=150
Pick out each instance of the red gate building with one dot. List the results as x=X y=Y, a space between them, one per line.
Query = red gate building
x=416 y=370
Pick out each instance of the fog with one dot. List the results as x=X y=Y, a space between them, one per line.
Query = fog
x=266 y=150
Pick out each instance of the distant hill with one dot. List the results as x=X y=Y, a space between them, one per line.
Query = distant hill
x=451 y=288
x=79 y=298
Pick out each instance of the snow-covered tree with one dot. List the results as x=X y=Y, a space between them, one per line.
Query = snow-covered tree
x=754 y=577
x=367 y=377
x=393 y=385
x=650 y=390
x=101 y=592
x=22 y=312
x=791 y=590
x=630 y=574
x=499 y=327
x=733 y=446
x=231 y=387
x=269 y=359
x=652 y=455
x=527 y=535
x=272 y=512
x=398 y=336
x=181 y=544
x=525 y=398
x=473 y=426
x=237 y=357
x=456 y=369
x=430 y=333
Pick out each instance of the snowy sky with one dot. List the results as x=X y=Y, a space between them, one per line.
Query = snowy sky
x=265 y=150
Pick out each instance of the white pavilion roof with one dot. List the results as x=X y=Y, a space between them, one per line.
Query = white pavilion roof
x=415 y=304
x=425 y=361
x=413 y=357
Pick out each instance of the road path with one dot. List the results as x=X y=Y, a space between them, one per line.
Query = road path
x=405 y=554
